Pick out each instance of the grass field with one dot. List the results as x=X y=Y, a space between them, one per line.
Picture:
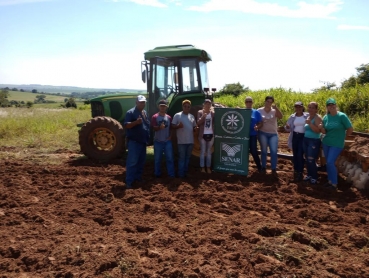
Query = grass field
x=28 y=96
x=41 y=128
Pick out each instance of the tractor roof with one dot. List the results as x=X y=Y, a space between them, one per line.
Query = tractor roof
x=185 y=50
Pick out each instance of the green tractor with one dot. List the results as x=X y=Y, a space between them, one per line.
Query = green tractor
x=173 y=73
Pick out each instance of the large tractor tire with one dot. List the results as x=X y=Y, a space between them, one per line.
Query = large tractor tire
x=102 y=138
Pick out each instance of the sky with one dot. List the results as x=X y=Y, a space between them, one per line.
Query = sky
x=262 y=44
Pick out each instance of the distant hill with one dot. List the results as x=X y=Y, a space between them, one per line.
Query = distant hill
x=50 y=89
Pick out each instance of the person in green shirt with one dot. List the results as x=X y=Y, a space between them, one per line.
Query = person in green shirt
x=335 y=127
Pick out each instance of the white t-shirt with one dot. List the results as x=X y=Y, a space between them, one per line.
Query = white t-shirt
x=208 y=125
x=184 y=134
x=299 y=124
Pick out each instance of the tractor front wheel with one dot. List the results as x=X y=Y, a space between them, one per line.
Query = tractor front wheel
x=102 y=138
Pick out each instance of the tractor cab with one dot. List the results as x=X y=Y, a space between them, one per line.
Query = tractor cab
x=175 y=73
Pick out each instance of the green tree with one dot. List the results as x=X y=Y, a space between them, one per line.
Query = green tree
x=326 y=87
x=71 y=103
x=361 y=78
x=233 y=89
x=4 y=102
x=349 y=83
x=363 y=74
x=29 y=104
x=40 y=99
x=34 y=91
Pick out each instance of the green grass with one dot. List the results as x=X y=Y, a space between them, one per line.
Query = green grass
x=41 y=128
x=57 y=105
x=354 y=102
x=28 y=96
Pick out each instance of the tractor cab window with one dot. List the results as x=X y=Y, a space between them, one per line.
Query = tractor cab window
x=189 y=70
x=165 y=79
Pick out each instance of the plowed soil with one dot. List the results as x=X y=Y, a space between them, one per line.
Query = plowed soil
x=75 y=219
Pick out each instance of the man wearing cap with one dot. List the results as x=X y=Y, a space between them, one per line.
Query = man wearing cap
x=185 y=124
x=161 y=123
x=336 y=126
x=137 y=127
x=255 y=125
x=296 y=126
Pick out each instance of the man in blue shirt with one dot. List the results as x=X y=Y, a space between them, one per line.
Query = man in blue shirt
x=256 y=123
x=137 y=125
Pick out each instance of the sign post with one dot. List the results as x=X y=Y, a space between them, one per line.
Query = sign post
x=231 y=142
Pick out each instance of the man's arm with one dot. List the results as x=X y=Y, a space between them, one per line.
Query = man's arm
x=133 y=123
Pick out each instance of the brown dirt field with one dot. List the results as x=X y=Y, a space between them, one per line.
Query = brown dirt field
x=75 y=219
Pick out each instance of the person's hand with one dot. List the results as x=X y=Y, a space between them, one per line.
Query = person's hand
x=180 y=125
x=204 y=115
x=195 y=128
x=308 y=121
x=139 y=120
x=162 y=126
x=274 y=106
x=256 y=128
x=321 y=127
x=287 y=126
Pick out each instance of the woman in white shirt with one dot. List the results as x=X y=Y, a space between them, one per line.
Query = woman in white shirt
x=296 y=126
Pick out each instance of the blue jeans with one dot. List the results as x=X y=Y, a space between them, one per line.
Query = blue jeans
x=268 y=140
x=253 y=146
x=206 y=149
x=311 y=149
x=298 y=152
x=331 y=154
x=135 y=161
x=167 y=149
x=184 y=152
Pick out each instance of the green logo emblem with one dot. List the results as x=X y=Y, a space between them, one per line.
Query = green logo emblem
x=232 y=122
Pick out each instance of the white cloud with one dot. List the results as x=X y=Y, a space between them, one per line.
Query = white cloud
x=16 y=2
x=153 y=3
x=325 y=9
x=352 y=27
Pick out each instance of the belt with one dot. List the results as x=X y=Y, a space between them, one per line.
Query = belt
x=298 y=132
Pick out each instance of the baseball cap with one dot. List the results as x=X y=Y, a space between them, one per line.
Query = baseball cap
x=207 y=100
x=330 y=101
x=299 y=103
x=141 y=98
x=186 y=101
x=163 y=102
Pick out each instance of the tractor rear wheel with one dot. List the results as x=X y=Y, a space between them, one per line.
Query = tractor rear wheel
x=102 y=138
